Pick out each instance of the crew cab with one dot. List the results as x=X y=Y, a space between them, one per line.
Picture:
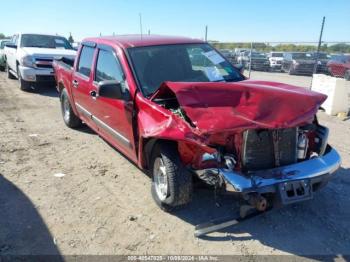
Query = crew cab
x=29 y=58
x=302 y=63
x=177 y=116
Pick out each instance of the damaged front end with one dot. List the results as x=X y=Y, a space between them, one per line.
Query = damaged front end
x=252 y=137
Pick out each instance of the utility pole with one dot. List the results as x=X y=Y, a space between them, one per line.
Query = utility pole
x=319 y=45
x=140 y=25
x=250 y=58
x=206 y=33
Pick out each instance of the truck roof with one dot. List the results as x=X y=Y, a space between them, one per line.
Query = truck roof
x=126 y=41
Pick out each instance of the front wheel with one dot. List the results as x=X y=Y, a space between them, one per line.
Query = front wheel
x=171 y=182
x=8 y=72
x=69 y=117
x=23 y=85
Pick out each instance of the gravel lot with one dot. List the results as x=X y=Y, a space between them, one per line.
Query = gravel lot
x=103 y=204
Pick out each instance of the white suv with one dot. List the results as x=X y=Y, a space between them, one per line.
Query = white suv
x=276 y=59
x=29 y=57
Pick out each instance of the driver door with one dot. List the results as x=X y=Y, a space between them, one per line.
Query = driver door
x=113 y=117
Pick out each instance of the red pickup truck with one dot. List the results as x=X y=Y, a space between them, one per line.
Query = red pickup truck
x=178 y=109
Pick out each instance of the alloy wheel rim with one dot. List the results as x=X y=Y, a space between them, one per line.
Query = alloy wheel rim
x=160 y=179
x=66 y=111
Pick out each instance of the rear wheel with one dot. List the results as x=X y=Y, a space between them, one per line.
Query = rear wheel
x=69 y=117
x=347 y=75
x=23 y=85
x=171 y=182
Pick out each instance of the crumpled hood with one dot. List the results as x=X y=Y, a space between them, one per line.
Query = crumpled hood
x=49 y=52
x=218 y=107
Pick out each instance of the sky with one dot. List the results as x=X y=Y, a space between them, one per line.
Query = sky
x=227 y=20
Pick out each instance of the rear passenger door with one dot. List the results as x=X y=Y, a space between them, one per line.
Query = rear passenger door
x=113 y=117
x=82 y=82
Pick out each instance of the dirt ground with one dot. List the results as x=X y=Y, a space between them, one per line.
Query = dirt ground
x=103 y=205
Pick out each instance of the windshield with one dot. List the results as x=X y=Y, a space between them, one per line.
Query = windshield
x=154 y=65
x=323 y=56
x=258 y=55
x=45 y=41
x=305 y=56
x=277 y=55
x=3 y=43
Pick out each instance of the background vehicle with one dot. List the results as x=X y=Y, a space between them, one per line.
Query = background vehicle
x=2 y=55
x=177 y=108
x=229 y=54
x=340 y=66
x=275 y=59
x=322 y=60
x=29 y=57
x=298 y=63
x=259 y=61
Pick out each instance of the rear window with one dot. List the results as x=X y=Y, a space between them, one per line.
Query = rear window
x=85 y=61
x=45 y=41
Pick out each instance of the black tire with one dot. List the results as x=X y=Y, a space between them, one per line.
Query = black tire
x=9 y=74
x=179 y=180
x=2 y=68
x=23 y=85
x=69 y=117
x=347 y=75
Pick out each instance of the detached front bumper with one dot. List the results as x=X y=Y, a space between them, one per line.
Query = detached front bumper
x=41 y=75
x=316 y=172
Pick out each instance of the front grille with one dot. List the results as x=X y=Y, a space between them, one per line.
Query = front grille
x=264 y=149
x=45 y=78
x=43 y=62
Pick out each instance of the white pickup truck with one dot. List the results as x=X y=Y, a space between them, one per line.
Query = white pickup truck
x=29 y=58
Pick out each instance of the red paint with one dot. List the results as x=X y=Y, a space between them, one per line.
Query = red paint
x=340 y=66
x=220 y=111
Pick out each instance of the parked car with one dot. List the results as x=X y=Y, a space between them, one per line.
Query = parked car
x=322 y=61
x=229 y=54
x=339 y=66
x=259 y=61
x=276 y=59
x=298 y=63
x=29 y=57
x=178 y=119
x=2 y=56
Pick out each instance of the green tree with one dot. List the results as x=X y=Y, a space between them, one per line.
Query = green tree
x=2 y=36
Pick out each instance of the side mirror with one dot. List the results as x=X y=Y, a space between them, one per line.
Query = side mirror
x=9 y=45
x=240 y=68
x=113 y=89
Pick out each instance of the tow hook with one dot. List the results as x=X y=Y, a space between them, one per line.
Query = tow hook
x=257 y=205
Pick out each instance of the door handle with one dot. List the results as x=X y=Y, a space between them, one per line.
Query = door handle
x=75 y=83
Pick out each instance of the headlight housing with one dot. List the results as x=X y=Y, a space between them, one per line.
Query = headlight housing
x=28 y=61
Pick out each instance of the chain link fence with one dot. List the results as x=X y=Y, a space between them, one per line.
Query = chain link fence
x=289 y=58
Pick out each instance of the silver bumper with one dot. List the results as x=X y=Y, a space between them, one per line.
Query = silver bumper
x=318 y=169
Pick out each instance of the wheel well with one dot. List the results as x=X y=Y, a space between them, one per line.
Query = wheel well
x=149 y=144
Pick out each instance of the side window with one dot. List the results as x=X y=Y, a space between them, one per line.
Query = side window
x=108 y=67
x=85 y=60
